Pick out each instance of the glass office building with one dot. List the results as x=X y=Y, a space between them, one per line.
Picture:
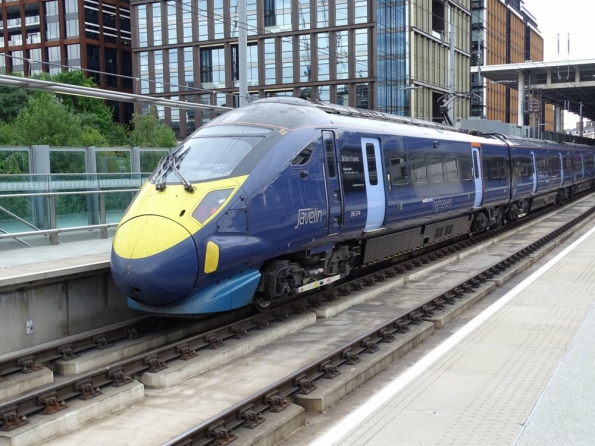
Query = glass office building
x=46 y=36
x=361 y=53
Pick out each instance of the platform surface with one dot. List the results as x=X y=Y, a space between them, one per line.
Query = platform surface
x=38 y=263
x=520 y=372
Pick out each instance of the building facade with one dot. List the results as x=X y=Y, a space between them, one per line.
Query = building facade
x=385 y=55
x=504 y=32
x=45 y=36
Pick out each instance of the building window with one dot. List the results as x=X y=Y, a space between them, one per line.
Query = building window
x=187 y=21
x=287 y=60
x=252 y=15
x=111 y=66
x=218 y=22
x=158 y=69
x=343 y=95
x=341 y=12
x=142 y=26
x=342 y=54
x=173 y=70
x=269 y=62
x=323 y=57
x=127 y=70
x=305 y=58
x=361 y=53
x=93 y=55
x=54 y=59
x=52 y=31
x=156 y=31
x=172 y=28
x=361 y=95
x=144 y=72
x=203 y=21
x=324 y=93
x=361 y=12
x=438 y=16
x=212 y=68
x=73 y=55
x=252 y=65
x=322 y=14
x=35 y=61
x=304 y=14
x=270 y=19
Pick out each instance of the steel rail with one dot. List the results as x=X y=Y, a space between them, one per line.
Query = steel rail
x=221 y=428
x=53 y=397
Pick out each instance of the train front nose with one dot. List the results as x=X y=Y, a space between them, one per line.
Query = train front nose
x=154 y=260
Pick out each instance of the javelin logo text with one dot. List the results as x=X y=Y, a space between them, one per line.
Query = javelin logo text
x=308 y=216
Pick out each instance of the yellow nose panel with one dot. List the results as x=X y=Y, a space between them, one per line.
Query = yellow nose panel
x=147 y=235
x=211 y=257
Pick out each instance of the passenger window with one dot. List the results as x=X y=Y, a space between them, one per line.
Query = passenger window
x=502 y=168
x=304 y=156
x=418 y=167
x=371 y=155
x=398 y=170
x=487 y=169
x=465 y=165
x=436 y=169
x=495 y=171
x=452 y=168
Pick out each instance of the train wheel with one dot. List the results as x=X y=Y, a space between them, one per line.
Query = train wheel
x=261 y=304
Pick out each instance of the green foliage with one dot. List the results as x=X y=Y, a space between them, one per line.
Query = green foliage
x=28 y=118
x=148 y=131
x=14 y=162
x=149 y=160
x=12 y=101
x=46 y=121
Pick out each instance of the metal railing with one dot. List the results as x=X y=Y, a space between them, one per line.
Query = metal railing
x=40 y=197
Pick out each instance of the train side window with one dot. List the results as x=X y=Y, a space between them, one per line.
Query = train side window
x=452 y=168
x=304 y=156
x=530 y=167
x=436 y=169
x=502 y=168
x=398 y=170
x=372 y=172
x=486 y=169
x=329 y=151
x=540 y=165
x=418 y=167
x=465 y=165
x=495 y=169
x=567 y=163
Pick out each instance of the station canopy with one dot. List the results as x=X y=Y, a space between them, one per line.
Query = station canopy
x=562 y=83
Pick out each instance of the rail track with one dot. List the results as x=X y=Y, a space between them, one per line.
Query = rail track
x=248 y=413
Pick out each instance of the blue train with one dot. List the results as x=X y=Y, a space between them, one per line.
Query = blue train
x=286 y=195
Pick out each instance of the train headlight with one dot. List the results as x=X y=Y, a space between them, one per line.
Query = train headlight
x=210 y=204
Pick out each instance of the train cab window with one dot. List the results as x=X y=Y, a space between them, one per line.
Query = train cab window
x=329 y=153
x=418 y=167
x=304 y=156
x=465 y=168
x=436 y=169
x=371 y=156
x=398 y=170
x=452 y=168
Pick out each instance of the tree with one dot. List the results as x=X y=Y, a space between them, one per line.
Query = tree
x=46 y=121
x=148 y=131
x=12 y=101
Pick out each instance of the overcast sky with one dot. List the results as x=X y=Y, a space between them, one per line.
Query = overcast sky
x=574 y=17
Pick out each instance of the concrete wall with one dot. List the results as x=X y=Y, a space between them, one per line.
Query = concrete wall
x=64 y=307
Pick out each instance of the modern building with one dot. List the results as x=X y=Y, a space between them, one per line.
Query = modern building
x=504 y=32
x=391 y=56
x=44 y=36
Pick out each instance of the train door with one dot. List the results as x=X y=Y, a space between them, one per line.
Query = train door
x=334 y=207
x=535 y=173
x=375 y=190
x=477 y=175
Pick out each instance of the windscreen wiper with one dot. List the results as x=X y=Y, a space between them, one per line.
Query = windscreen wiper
x=167 y=163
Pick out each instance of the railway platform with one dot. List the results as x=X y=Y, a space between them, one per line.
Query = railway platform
x=519 y=368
